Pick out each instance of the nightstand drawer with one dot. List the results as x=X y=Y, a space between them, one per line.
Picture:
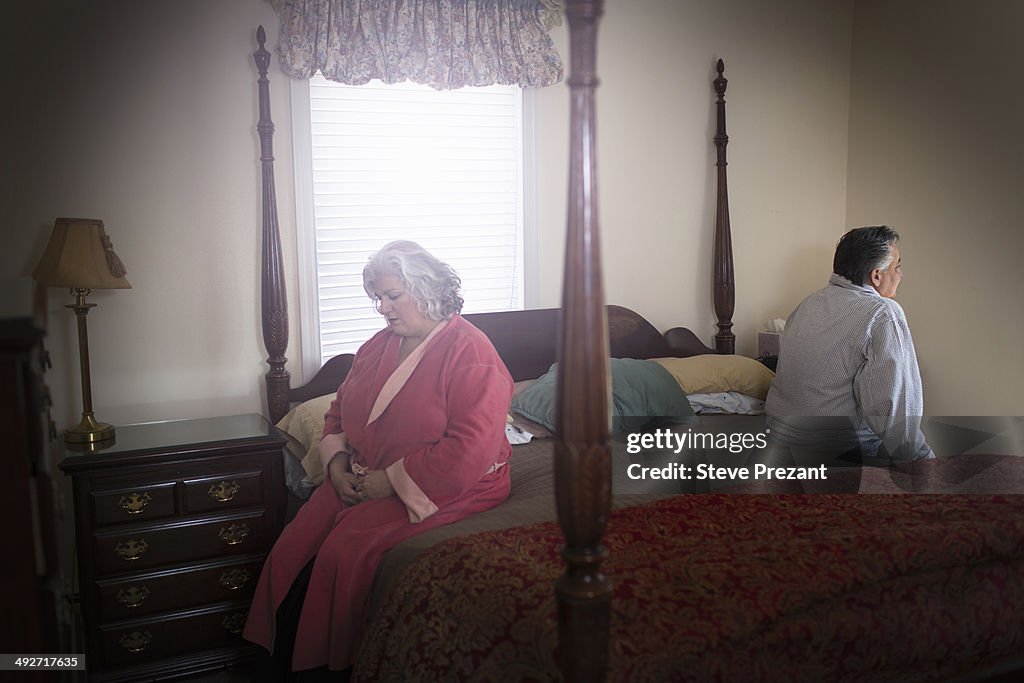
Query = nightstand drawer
x=180 y=543
x=223 y=493
x=136 y=504
x=143 y=641
x=177 y=588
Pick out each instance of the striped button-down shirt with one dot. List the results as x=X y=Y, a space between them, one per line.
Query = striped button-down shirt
x=846 y=352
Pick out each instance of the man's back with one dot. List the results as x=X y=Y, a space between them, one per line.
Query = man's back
x=847 y=352
x=825 y=345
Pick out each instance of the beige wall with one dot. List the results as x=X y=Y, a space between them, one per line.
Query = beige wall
x=788 y=70
x=143 y=114
x=935 y=151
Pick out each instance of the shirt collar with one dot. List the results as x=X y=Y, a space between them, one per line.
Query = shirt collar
x=840 y=281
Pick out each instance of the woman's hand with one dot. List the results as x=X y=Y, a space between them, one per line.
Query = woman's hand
x=374 y=484
x=344 y=481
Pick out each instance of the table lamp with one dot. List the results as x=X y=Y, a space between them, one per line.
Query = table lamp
x=81 y=257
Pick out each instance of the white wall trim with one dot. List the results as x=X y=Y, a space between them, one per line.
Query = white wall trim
x=305 y=233
x=531 y=236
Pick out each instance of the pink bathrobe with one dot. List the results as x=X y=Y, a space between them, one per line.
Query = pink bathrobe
x=436 y=425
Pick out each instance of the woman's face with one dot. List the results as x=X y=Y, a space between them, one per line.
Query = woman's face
x=399 y=308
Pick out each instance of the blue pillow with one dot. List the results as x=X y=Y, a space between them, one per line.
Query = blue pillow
x=644 y=394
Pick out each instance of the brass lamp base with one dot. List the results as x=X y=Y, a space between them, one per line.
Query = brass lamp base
x=89 y=431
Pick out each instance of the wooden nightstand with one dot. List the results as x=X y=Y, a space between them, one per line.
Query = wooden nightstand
x=173 y=523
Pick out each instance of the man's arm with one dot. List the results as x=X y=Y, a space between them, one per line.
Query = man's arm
x=888 y=388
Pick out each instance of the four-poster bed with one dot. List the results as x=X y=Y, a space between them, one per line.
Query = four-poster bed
x=694 y=572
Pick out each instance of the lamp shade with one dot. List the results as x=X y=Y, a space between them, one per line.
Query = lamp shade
x=80 y=255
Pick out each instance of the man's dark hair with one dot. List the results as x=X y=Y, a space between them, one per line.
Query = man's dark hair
x=862 y=250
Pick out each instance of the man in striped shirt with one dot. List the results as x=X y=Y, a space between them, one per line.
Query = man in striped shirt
x=847 y=377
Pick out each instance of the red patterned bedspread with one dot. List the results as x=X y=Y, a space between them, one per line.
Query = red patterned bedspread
x=729 y=588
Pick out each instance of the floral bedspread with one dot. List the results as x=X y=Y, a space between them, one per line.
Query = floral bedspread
x=728 y=588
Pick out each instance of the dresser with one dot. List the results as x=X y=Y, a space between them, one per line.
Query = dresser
x=29 y=575
x=173 y=522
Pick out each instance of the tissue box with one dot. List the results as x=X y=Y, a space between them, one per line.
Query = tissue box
x=767 y=344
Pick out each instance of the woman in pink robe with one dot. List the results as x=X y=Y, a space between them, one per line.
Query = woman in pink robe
x=414 y=439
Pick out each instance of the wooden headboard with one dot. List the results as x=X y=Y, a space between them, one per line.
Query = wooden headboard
x=527 y=343
x=581 y=335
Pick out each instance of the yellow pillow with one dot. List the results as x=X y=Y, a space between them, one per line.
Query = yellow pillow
x=305 y=424
x=712 y=373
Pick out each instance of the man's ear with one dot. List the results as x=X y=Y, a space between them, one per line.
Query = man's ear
x=875 y=277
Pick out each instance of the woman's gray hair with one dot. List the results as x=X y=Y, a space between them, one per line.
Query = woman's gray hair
x=431 y=282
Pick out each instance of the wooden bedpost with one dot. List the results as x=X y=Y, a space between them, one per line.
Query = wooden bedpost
x=582 y=448
x=724 y=284
x=273 y=298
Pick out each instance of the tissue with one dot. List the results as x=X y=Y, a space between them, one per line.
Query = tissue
x=768 y=341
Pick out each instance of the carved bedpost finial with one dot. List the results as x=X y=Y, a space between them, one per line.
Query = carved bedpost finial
x=262 y=55
x=721 y=82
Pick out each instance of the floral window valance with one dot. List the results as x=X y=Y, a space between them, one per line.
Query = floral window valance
x=445 y=44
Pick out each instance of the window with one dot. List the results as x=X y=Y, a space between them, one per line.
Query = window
x=378 y=162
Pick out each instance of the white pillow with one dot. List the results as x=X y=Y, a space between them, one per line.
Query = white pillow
x=726 y=402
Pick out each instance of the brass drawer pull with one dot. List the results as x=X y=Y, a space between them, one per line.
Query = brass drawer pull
x=135 y=641
x=131 y=549
x=234 y=623
x=132 y=597
x=234 y=534
x=134 y=503
x=223 y=492
x=234 y=579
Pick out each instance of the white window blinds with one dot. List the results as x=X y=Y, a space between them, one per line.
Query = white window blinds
x=442 y=168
